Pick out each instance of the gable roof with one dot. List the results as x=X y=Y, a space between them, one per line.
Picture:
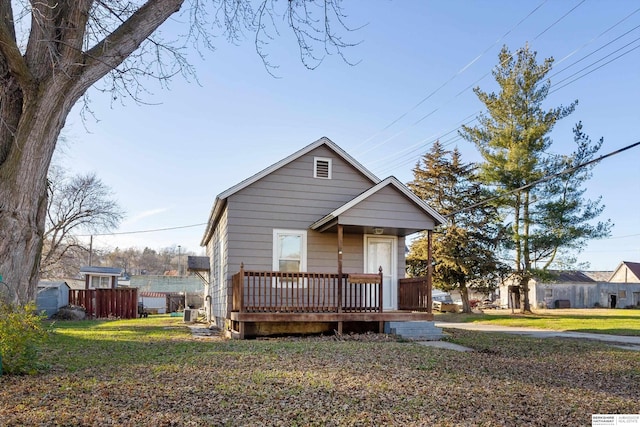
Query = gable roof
x=633 y=267
x=387 y=182
x=569 y=276
x=222 y=197
x=598 y=276
x=104 y=271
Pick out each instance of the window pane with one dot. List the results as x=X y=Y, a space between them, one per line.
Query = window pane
x=290 y=246
x=289 y=266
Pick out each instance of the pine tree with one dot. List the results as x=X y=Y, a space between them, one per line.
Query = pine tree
x=465 y=247
x=513 y=138
x=564 y=216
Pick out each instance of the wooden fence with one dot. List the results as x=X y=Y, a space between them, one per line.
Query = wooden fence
x=106 y=303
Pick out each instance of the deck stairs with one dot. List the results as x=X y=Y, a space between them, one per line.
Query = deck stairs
x=415 y=330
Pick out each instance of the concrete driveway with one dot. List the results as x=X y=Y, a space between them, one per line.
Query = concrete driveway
x=627 y=342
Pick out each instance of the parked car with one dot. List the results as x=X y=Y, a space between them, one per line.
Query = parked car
x=487 y=303
x=443 y=302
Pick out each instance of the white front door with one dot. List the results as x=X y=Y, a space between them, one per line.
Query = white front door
x=382 y=251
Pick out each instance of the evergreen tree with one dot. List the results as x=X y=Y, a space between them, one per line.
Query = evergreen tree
x=564 y=216
x=465 y=247
x=513 y=138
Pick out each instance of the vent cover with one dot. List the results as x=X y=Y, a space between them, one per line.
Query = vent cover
x=322 y=168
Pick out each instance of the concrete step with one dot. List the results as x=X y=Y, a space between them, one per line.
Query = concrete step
x=415 y=330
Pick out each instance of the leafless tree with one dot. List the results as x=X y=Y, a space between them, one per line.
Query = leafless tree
x=53 y=51
x=80 y=203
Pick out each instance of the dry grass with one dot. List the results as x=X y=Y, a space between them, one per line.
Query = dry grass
x=153 y=372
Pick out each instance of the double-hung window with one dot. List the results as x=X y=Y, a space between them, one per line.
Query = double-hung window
x=290 y=251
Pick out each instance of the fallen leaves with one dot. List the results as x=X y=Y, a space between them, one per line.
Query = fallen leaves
x=176 y=380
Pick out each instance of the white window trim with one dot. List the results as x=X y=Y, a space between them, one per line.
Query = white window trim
x=315 y=167
x=101 y=277
x=276 y=260
x=303 y=252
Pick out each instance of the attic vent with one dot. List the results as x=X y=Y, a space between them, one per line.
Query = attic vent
x=322 y=168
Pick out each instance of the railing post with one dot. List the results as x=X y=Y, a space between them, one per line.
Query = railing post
x=340 y=243
x=241 y=288
x=429 y=269
x=380 y=288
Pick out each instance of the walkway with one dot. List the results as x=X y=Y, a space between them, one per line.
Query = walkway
x=622 y=341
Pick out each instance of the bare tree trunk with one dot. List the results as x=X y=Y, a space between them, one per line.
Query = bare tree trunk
x=464 y=294
x=23 y=190
x=38 y=88
x=524 y=284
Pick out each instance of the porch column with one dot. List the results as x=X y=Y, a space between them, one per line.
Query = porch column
x=340 y=243
x=429 y=270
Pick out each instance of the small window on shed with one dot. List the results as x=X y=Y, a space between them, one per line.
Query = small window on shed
x=321 y=167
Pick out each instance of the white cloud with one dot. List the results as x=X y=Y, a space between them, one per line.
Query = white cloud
x=143 y=215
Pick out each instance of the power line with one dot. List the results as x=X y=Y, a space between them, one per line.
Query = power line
x=144 y=231
x=460 y=71
x=555 y=87
x=545 y=179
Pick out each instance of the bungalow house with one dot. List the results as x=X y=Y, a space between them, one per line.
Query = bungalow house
x=314 y=242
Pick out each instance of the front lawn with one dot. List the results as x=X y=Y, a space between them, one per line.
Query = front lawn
x=153 y=372
x=596 y=320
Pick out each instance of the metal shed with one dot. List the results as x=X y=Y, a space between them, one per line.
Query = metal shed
x=51 y=296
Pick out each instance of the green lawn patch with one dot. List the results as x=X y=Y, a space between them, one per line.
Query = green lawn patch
x=603 y=321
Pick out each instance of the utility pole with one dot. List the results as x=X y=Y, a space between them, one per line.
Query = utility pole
x=179 y=260
x=90 y=250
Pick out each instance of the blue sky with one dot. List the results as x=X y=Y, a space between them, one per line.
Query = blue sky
x=417 y=63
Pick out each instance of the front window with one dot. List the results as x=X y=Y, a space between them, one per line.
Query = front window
x=100 y=282
x=290 y=250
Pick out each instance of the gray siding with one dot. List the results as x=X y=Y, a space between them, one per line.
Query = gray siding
x=219 y=289
x=387 y=208
x=290 y=198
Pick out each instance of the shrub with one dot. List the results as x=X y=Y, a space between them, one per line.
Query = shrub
x=21 y=334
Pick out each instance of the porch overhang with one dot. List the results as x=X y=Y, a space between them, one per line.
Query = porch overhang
x=379 y=228
x=388 y=207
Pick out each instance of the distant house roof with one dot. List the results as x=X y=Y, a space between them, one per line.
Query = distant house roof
x=623 y=269
x=634 y=267
x=198 y=263
x=101 y=271
x=556 y=276
x=222 y=197
x=599 y=276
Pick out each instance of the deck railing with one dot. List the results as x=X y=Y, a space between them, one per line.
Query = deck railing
x=414 y=294
x=282 y=292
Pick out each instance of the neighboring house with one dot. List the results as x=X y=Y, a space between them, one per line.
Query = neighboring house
x=101 y=277
x=581 y=289
x=298 y=247
x=51 y=296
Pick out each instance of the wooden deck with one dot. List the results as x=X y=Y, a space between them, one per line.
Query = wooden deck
x=270 y=297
